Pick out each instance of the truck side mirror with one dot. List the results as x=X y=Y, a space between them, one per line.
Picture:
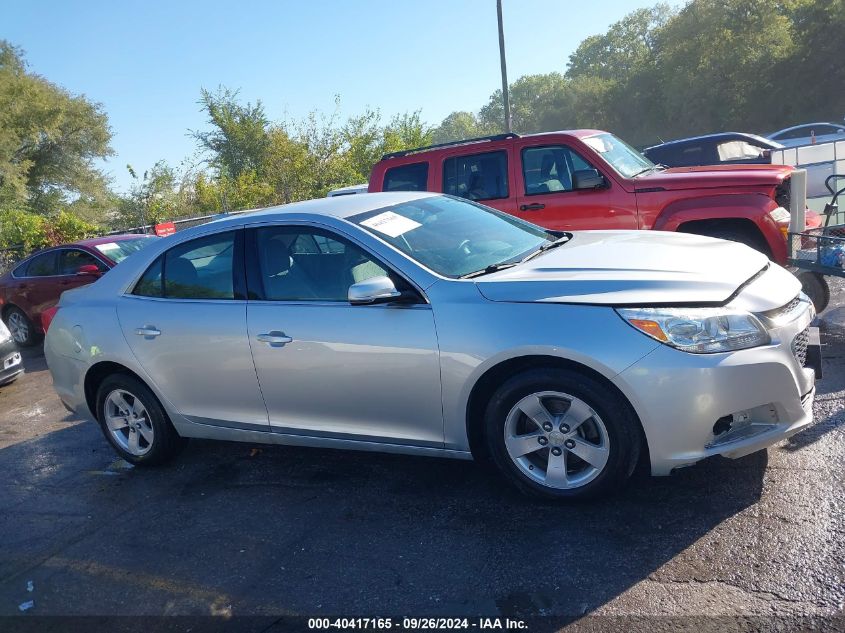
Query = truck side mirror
x=587 y=179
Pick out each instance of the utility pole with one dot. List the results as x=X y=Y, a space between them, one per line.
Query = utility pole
x=504 y=68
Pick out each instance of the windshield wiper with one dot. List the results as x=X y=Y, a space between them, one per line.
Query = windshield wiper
x=547 y=246
x=657 y=167
x=492 y=268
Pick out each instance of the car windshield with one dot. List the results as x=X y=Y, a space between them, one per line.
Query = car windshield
x=627 y=161
x=119 y=250
x=453 y=237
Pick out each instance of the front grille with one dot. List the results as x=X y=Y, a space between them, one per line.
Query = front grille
x=784 y=313
x=783 y=193
x=799 y=346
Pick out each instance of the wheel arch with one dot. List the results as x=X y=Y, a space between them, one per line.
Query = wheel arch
x=751 y=210
x=95 y=376
x=494 y=376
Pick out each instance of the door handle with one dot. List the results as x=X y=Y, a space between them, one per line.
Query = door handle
x=535 y=206
x=148 y=331
x=274 y=338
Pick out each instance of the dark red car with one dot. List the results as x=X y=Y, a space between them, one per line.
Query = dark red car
x=37 y=282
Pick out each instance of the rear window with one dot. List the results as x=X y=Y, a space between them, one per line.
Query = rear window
x=406 y=178
x=477 y=177
x=43 y=265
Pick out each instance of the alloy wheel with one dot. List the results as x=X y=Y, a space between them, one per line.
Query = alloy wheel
x=556 y=439
x=128 y=422
x=18 y=327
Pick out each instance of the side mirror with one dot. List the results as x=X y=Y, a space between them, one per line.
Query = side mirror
x=587 y=179
x=88 y=269
x=373 y=290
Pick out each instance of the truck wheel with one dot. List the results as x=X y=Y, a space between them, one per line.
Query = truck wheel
x=560 y=434
x=815 y=286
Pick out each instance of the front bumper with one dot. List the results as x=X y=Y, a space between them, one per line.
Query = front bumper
x=694 y=406
x=11 y=365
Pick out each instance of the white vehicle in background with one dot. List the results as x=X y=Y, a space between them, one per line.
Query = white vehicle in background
x=348 y=191
x=804 y=134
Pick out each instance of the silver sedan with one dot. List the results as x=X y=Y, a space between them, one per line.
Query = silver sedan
x=423 y=324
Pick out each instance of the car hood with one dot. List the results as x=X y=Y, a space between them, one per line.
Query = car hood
x=714 y=176
x=632 y=268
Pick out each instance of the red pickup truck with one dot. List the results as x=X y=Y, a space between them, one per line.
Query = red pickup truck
x=590 y=179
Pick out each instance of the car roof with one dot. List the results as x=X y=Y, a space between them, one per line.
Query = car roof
x=715 y=137
x=336 y=206
x=105 y=239
x=795 y=127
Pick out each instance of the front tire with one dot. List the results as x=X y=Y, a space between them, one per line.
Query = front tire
x=561 y=434
x=135 y=423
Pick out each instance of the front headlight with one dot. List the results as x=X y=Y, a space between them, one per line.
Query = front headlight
x=699 y=330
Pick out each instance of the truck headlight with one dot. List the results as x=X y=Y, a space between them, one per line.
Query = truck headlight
x=699 y=330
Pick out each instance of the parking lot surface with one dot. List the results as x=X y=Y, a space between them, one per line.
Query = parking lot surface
x=231 y=530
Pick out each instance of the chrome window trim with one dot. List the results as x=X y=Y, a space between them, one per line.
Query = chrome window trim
x=57 y=250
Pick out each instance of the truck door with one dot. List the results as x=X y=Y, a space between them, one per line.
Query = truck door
x=547 y=196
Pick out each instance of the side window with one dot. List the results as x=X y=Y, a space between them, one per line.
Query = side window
x=549 y=169
x=198 y=269
x=43 y=265
x=201 y=268
x=71 y=260
x=322 y=272
x=477 y=177
x=406 y=178
x=738 y=150
x=149 y=285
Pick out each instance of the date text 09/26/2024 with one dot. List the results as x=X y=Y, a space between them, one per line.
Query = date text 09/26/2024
x=408 y=623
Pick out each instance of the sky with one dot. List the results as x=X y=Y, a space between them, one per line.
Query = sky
x=146 y=62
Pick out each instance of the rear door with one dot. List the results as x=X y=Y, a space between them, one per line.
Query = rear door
x=39 y=287
x=185 y=321
x=546 y=195
x=484 y=177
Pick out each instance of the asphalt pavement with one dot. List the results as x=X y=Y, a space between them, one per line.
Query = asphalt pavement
x=230 y=530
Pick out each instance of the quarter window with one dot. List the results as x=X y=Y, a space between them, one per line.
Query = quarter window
x=43 y=265
x=198 y=269
x=549 y=169
x=407 y=178
x=477 y=177
x=303 y=264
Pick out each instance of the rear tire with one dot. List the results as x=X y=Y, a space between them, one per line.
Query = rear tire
x=590 y=444
x=21 y=327
x=135 y=423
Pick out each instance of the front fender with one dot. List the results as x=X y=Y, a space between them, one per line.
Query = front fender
x=751 y=207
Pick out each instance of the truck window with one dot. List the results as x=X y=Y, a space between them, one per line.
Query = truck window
x=549 y=169
x=412 y=177
x=477 y=177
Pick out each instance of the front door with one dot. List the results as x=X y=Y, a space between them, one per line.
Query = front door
x=331 y=369
x=185 y=322
x=547 y=196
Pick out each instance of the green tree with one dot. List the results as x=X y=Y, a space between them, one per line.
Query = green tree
x=49 y=140
x=237 y=140
x=457 y=126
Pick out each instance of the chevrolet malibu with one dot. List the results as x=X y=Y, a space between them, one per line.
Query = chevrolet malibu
x=429 y=325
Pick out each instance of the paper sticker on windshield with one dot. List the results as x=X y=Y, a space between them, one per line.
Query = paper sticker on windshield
x=391 y=224
x=107 y=246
